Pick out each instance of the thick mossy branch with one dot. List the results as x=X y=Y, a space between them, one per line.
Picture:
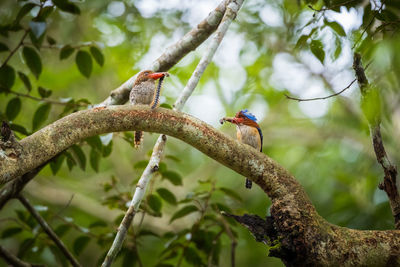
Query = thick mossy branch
x=49 y=141
x=303 y=235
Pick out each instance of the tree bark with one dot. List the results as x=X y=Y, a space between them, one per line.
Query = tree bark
x=302 y=236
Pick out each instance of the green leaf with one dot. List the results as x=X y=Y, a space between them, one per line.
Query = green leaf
x=9 y=232
x=23 y=11
x=302 y=41
x=66 y=51
x=37 y=42
x=318 y=50
x=173 y=177
x=71 y=162
x=154 y=203
x=13 y=108
x=141 y=164
x=44 y=93
x=95 y=142
x=56 y=164
x=19 y=128
x=3 y=47
x=97 y=55
x=84 y=62
x=167 y=195
x=40 y=116
x=94 y=159
x=192 y=257
x=7 y=77
x=336 y=27
x=98 y=224
x=25 y=80
x=80 y=155
x=67 y=6
x=51 y=40
x=44 y=13
x=230 y=193
x=165 y=105
x=107 y=150
x=62 y=229
x=33 y=60
x=172 y=157
x=129 y=259
x=80 y=243
x=338 y=49
x=183 y=212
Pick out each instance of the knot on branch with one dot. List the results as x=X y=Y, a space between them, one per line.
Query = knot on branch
x=360 y=73
x=9 y=146
x=262 y=230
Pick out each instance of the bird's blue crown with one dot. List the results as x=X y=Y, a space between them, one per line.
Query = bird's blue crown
x=249 y=115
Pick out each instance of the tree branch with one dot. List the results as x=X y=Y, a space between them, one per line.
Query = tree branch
x=13 y=260
x=152 y=166
x=390 y=170
x=47 y=229
x=174 y=53
x=300 y=230
x=120 y=95
x=321 y=98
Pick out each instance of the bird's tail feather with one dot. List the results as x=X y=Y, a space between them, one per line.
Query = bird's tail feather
x=248 y=184
x=138 y=138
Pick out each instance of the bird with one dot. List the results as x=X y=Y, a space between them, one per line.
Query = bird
x=247 y=131
x=145 y=92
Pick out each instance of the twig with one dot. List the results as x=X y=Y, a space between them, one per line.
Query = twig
x=13 y=189
x=47 y=229
x=194 y=228
x=390 y=170
x=20 y=43
x=325 y=97
x=369 y=24
x=158 y=149
x=233 y=240
x=214 y=242
x=47 y=100
x=13 y=260
x=321 y=98
x=173 y=53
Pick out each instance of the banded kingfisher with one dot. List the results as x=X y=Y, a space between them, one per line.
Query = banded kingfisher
x=145 y=92
x=247 y=131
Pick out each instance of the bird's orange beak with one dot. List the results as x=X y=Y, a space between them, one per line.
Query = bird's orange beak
x=158 y=75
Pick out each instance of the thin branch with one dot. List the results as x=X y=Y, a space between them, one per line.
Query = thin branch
x=230 y=14
x=325 y=97
x=13 y=260
x=47 y=229
x=369 y=24
x=173 y=53
x=231 y=237
x=214 y=242
x=390 y=170
x=47 y=100
x=20 y=43
x=321 y=98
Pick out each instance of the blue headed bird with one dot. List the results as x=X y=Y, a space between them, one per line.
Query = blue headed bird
x=247 y=131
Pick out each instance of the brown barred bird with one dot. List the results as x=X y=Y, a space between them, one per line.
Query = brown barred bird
x=145 y=92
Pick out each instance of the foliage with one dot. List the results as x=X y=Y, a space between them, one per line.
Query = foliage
x=47 y=71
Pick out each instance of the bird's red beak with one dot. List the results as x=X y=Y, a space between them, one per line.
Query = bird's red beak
x=233 y=120
x=158 y=75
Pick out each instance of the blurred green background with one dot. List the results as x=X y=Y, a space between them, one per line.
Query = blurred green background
x=273 y=48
